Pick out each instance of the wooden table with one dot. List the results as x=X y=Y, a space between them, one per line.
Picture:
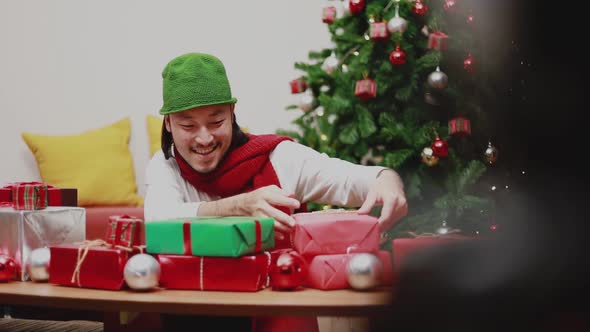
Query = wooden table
x=311 y=302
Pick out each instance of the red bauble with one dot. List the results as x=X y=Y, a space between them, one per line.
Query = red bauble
x=419 y=8
x=8 y=268
x=449 y=5
x=356 y=6
x=440 y=148
x=397 y=57
x=288 y=272
x=468 y=64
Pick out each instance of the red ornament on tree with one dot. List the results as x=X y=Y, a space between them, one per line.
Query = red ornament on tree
x=356 y=6
x=329 y=14
x=449 y=5
x=460 y=126
x=365 y=89
x=298 y=85
x=378 y=31
x=468 y=64
x=288 y=272
x=8 y=268
x=419 y=8
x=397 y=57
x=440 y=148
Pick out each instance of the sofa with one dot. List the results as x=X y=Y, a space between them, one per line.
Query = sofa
x=98 y=216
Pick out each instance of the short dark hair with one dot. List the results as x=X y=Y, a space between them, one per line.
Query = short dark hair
x=238 y=139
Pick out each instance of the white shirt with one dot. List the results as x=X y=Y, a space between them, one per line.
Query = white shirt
x=311 y=176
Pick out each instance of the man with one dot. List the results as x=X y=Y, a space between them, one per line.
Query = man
x=209 y=167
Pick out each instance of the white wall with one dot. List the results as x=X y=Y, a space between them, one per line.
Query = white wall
x=67 y=66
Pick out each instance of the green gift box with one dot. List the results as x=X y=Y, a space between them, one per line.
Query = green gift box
x=210 y=236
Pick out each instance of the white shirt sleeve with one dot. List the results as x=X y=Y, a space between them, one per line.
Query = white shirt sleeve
x=168 y=195
x=315 y=177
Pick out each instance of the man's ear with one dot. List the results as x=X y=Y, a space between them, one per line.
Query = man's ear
x=167 y=122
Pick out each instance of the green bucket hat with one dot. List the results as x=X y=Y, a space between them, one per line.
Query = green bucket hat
x=192 y=80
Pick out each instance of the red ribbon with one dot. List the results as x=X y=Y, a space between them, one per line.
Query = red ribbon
x=186 y=237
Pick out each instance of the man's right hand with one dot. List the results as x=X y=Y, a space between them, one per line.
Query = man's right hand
x=262 y=202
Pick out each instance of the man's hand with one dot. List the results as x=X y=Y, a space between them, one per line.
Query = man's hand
x=262 y=202
x=388 y=190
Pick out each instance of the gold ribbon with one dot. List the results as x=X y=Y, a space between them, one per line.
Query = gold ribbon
x=83 y=248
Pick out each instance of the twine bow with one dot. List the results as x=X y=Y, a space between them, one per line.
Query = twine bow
x=84 y=247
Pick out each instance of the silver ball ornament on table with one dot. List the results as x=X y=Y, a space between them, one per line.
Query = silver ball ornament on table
x=142 y=272
x=364 y=271
x=38 y=264
x=438 y=80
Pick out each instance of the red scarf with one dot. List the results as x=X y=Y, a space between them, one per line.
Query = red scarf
x=244 y=169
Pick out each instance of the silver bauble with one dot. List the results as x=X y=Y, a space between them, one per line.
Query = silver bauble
x=438 y=80
x=38 y=264
x=491 y=154
x=307 y=102
x=364 y=271
x=397 y=24
x=142 y=272
x=330 y=64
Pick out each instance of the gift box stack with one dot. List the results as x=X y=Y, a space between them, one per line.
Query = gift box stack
x=329 y=240
x=35 y=215
x=98 y=263
x=212 y=253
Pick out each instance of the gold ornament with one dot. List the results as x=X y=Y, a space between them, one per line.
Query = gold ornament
x=491 y=154
x=428 y=157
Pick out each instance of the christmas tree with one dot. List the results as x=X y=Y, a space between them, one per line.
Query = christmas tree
x=404 y=85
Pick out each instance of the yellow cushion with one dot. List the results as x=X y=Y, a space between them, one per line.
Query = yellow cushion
x=96 y=162
x=154 y=129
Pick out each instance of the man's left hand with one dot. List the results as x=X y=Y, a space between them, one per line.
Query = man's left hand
x=388 y=190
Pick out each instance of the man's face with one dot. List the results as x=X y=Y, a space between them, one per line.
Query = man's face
x=202 y=135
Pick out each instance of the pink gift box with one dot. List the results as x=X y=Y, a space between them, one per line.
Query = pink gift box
x=329 y=271
x=325 y=233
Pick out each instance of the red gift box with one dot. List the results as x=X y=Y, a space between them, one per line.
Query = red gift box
x=329 y=271
x=438 y=41
x=378 y=31
x=55 y=196
x=29 y=196
x=91 y=264
x=329 y=14
x=298 y=85
x=324 y=233
x=248 y=273
x=404 y=248
x=460 y=126
x=124 y=230
x=365 y=89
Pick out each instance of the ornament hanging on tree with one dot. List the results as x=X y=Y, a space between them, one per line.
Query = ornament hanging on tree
x=470 y=19
x=419 y=8
x=460 y=126
x=438 y=80
x=440 y=147
x=468 y=64
x=330 y=63
x=397 y=23
x=38 y=264
x=449 y=5
x=298 y=85
x=365 y=89
x=288 y=272
x=431 y=99
x=438 y=41
x=142 y=272
x=398 y=56
x=307 y=101
x=491 y=154
x=356 y=6
x=329 y=14
x=364 y=271
x=428 y=157
x=378 y=31
x=8 y=268
x=345 y=7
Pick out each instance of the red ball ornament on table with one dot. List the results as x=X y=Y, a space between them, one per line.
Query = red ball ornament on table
x=440 y=148
x=397 y=57
x=356 y=6
x=289 y=271
x=8 y=268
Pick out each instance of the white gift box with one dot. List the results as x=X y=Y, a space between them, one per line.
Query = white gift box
x=22 y=231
